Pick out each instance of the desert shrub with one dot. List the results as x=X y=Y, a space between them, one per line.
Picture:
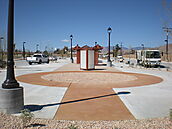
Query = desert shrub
x=26 y=116
x=73 y=127
x=3 y=64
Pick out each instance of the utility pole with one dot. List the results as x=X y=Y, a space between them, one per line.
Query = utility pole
x=167 y=30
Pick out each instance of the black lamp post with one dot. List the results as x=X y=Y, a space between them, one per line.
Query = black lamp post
x=11 y=94
x=1 y=38
x=109 y=63
x=95 y=43
x=24 y=50
x=142 y=46
x=10 y=81
x=37 y=47
x=71 y=56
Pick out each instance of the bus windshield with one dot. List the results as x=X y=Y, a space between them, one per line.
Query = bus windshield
x=153 y=54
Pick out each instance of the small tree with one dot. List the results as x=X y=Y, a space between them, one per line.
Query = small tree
x=57 y=51
x=65 y=49
x=132 y=51
x=45 y=52
x=117 y=48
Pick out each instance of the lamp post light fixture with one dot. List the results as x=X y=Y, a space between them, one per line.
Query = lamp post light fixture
x=11 y=94
x=1 y=38
x=95 y=43
x=109 y=63
x=37 y=45
x=71 y=56
x=24 y=50
x=142 y=46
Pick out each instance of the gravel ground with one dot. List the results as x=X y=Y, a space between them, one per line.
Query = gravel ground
x=74 y=77
x=14 y=122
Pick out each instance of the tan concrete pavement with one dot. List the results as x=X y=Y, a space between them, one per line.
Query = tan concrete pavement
x=90 y=101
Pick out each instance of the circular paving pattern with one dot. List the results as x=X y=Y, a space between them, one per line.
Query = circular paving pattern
x=92 y=79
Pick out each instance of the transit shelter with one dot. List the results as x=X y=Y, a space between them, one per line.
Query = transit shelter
x=96 y=49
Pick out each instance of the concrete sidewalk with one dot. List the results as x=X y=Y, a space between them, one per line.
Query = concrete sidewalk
x=153 y=100
x=90 y=101
x=38 y=97
x=148 y=101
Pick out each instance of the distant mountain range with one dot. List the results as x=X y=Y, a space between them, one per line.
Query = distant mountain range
x=161 y=48
x=123 y=48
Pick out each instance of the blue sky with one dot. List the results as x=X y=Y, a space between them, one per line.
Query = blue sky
x=51 y=22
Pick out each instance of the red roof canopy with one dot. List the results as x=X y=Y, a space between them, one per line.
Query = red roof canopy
x=97 y=47
x=86 y=47
x=77 y=47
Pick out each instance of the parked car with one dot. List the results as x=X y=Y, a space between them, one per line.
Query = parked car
x=120 y=58
x=52 y=58
x=37 y=58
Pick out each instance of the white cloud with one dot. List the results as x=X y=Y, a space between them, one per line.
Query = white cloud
x=65 y=40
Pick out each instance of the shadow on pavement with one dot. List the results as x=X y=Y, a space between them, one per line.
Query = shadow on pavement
x=33 y=108
x=36 y=125
x=95 y=69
